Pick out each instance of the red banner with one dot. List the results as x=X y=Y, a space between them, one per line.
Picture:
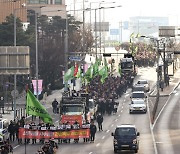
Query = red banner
x=48 y=134
x=72 y=118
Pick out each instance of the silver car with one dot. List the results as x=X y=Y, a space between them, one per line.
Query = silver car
x=138 y=105
x=145 y=83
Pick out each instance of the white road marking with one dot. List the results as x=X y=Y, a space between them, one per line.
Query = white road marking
x=107 y=131
x=119 y=115
x=16 y=146
x=151 y=129
x=90 y=152
x=112 y=125
x=124 y=100
x=116 y=120
x=121 y=110
x=103 y=137
x=122 y=107
x=159 y=142
x=97 y=144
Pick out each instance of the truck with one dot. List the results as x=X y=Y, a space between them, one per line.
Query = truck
x=74 y=109
x=127 y=65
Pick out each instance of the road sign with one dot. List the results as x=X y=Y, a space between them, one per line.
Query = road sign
x=75 y=58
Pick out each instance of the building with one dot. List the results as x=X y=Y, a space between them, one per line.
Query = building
x=8 y=7
x=42 y=7
x=48 y=7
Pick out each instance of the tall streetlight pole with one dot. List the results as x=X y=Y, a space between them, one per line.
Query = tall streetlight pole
x=14 y=12
x=66 y=52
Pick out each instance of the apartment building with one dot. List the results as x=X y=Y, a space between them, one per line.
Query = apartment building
x=48 y=7
x=16 y=7
x=42 y=7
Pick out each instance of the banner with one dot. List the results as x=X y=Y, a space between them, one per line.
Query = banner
x=71 y=119
x=57 y=134
x=39 y=86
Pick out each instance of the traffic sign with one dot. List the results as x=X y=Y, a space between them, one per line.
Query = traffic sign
x=75 y=58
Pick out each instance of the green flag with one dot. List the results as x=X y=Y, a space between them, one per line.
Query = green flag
x=69 y=74
x=96 y=68
x=34 y=107
x=89 y=73
x=103 y=73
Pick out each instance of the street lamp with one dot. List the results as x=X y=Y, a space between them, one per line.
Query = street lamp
x=14 y=12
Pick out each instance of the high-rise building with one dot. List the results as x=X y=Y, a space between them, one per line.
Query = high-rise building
x=17 y=7
x=42 y=7
x=48 y=7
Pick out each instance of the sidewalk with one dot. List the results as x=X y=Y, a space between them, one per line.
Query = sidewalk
x=46 y=103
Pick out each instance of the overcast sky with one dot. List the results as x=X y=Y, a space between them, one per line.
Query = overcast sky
x=164 y=8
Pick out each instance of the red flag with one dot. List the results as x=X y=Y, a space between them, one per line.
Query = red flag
x=75 y=70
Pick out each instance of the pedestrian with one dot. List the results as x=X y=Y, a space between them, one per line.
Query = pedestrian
x=76 y=126
x=17 y=126
x=11 y=130
x=93 y=130
x=55 y=105
x=99 y=121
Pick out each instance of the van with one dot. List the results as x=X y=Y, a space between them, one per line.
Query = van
x=126 y=137
x=4 y=134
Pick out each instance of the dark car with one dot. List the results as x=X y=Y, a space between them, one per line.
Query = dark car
x=126 y=138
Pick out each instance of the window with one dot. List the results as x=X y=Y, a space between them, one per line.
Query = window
x=125 y=131
x=37 y=1
x=58 y=2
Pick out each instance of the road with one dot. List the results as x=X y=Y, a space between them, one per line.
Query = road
x=104 y=141
x=167 y=126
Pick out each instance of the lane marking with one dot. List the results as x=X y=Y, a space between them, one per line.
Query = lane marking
x=103 y=137
x=97 y=144
x=116 y=120
x=122 y=107
x=16 y=146
x=151 y=129
x=121 y=110
x=90 y=152
x=107 y=131
x=119 y=115
x=112 y=125
x=124 y=100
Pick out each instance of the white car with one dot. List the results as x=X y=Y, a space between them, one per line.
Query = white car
x=145 y=83
x=138 y=105
x=136 y=95
x=4 y=134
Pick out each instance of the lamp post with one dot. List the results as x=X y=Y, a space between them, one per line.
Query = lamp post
x=66 y=53
x=14 y=12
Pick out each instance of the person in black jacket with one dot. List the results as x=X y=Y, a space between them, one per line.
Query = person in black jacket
x=93 y=130
x=100 y=121
x=11 y=130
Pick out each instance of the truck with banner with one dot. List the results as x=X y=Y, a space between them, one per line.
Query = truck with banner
x=74 y=109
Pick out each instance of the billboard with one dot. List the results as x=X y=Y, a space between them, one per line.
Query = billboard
x=14 y=60
x=102 y=26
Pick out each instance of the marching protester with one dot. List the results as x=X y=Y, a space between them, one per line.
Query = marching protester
x=11 y=130
x=76 y=126
x=55 y=106
x=100 y=121
x=93 y=130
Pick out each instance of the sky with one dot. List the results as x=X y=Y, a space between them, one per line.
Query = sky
x=130 y=8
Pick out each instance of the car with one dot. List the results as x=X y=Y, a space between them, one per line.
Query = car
x=138 y=87
x=145 y=83
x=138 y=105
x=126 y=137
x=138 y=95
